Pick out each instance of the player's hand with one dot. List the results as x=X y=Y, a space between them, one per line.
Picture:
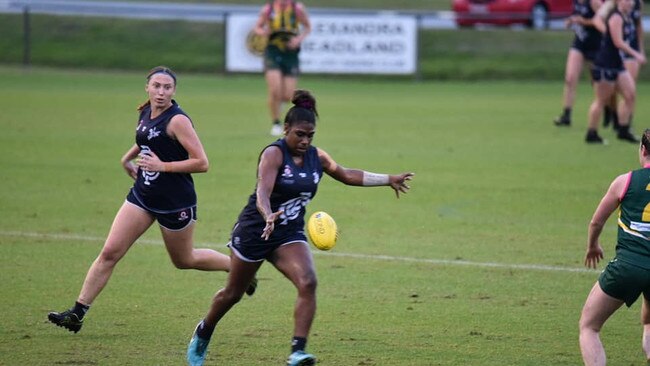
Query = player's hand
x=398 y=182
x=270 y=224
x=593 y=256
x=149 y=162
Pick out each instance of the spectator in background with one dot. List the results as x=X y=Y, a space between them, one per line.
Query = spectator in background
x=584 y=47
x=609 y=73
x=285 y=23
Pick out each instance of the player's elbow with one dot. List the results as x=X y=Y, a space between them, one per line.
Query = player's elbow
x=203 y=166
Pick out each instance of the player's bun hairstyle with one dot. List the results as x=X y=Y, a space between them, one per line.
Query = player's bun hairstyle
x=303 y=110
x=645 y=139
x=157 y=70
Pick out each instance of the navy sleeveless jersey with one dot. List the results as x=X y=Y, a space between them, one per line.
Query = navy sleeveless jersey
x=294 y=187
x=609 y=56
x=636 y=19
x=585 y=33
x=157 y=191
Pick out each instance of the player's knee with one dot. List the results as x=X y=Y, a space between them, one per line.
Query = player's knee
x=228 y=295
x=109 y=257
x=183 y=263
x=308 y=283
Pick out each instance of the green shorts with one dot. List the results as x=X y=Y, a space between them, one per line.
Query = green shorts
x=625 y=281
x=285 y=61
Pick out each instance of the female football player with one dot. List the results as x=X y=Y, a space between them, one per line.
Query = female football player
x=271 y=225
x=584 y=47
x=628 y=274
x=166 y=152
x=285 y=24
x=609 y=73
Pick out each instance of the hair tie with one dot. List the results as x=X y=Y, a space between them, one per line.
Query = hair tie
x=307 y=104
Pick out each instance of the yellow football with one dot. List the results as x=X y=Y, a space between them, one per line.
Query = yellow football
x=322 y=230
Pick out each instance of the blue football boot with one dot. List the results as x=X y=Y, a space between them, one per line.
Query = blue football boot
x=300 y=358
x=196 y=350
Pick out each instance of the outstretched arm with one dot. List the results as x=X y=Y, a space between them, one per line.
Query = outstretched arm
x=356 y=177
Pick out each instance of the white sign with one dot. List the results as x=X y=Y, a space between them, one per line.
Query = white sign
x=341 y=44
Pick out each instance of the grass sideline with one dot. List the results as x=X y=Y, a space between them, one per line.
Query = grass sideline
x=495 y=183
x=119 y=44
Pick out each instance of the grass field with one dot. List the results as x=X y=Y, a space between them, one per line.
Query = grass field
x=481 y=263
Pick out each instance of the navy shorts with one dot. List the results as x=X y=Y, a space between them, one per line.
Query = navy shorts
x=250 y=247
x=604 y=74
x=174 y=221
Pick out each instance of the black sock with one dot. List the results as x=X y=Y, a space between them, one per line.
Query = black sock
x=298 y=344
x=204 y=331
x=607 y=114
x=276 y=122
x=80 y=309
x=567 y=113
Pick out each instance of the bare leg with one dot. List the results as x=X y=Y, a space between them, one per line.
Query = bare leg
x=603 y=91
x=573 y=68
x=240 y=276
x=645 y=320
x=274 y=86
x=184 y=256
x=296 y=263
x=129 y=224
x=625 y=84
x=597 y=309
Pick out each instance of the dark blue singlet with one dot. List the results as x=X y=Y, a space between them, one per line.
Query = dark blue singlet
x=609 y=56
x=294 y=187
x=157 y=191
x=636 y=20
x=587 y=38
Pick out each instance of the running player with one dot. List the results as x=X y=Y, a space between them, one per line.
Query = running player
x=166 y=152
x=271 y=226
x=285 y=23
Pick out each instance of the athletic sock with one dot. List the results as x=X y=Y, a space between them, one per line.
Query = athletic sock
x=298 y=344
x=80 y=309
x=276 y=122
x=566 y=113
x=204 y=331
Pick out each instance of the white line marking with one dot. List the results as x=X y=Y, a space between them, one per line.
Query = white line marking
x=329 y=254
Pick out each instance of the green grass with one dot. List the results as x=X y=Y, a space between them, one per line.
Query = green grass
x=121 y=44
x=495 y=183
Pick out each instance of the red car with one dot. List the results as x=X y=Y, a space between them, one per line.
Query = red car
x=533 y=13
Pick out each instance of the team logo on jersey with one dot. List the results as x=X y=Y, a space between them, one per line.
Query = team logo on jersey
x=316 y=177
x=287 y=172
x=291 y=209
x=153 y=133
x=148 y=176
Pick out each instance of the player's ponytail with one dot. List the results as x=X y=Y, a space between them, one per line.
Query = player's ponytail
x=645 y=139
x=304 y=108
x=157 y=70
